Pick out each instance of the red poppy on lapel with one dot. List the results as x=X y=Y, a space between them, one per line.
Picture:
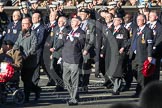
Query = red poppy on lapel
x=129 y=28
x=52 y=26
x=139 y=33
x=73 y=34
x=110 y=27
x=116 y=31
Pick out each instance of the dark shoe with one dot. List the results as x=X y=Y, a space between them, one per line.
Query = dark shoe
x=50 y=83
x=107 y=82
x=27 y=95
x=59 y=88
x=26 y=101
x=136 y=95
x=124 y=88
x=116 y=93
x=3 y=97
x=109 y=86
x=84 y=89
x=37 y=94
x=72 y=102
x=97 y=75
x=77 y=97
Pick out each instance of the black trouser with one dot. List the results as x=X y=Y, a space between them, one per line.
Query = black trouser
x=2 y=87
x=102 y=65
x=27 y=75
x=36 y=75
x=141 y=80
x=57 y=72
x=134 y=68
x=156 y=75
x=46 y=63
x=129 y=73
x=2 y=91
x=99 y=63
x=85 y=73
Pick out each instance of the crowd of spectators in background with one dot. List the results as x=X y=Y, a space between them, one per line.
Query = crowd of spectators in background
x=43 y=3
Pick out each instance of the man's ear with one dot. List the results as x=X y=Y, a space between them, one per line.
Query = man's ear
x=121 y=21
x=144 y=20
x=57 y=17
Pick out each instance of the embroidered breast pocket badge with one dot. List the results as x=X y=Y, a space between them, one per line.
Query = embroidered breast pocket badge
x=119 y=36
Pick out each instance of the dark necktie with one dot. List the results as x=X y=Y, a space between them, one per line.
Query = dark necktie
x=114 y=31
x=150 y=26
x=14 y=26
x=81 y=25
x=125 y=25
x=134 y=46
x=52 y=25
x=72 y=32
x=33 y=27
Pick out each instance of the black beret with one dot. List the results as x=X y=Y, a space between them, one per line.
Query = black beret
x=84 y=10
x=118 y=16
x=78 y=17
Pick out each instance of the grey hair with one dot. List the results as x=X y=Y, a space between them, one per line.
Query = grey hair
x=64 y=19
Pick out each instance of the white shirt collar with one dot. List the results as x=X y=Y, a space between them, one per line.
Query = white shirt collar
x=84 y=24
x=15 y=22
x=109 y=24
x=36 y=25
x=85 y=21
x=75 y=29
x=53 y=22
x=153 y=24
x=61 y=28
x=148 y=22
x=116 y=28
x=141 y=28
x=127 y=25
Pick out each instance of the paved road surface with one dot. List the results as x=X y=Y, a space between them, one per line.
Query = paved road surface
x=97 y=97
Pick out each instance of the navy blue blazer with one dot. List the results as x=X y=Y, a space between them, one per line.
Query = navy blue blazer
x=13 y=31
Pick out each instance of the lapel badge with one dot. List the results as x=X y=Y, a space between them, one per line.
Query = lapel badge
x=143 y=39
x=51 y=34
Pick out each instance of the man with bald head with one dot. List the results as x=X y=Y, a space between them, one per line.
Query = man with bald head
x=72 y=59
x=60 y=33
x=141 y=50
x=52 y=18
x=14 y=27
x=27 y=43
x=52 y=24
